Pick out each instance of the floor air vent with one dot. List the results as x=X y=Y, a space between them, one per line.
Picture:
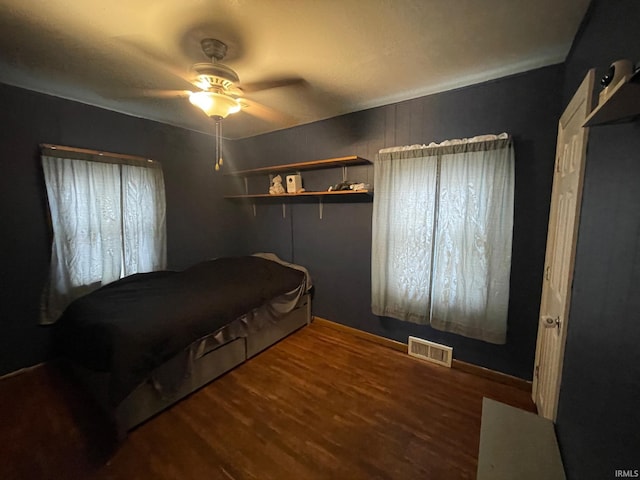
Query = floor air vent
x=432 y=352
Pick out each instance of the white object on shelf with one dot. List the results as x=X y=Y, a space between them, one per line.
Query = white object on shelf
x=619 y=72
x=294 y=183
x=622 y=103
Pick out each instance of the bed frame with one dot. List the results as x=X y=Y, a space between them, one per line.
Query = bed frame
x=145 y=401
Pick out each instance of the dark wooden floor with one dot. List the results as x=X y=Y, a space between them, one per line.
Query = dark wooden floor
x=322 y=404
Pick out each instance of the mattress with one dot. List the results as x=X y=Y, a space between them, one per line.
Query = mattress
x=131 y=326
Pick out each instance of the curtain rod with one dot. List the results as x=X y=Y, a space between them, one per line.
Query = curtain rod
x=479 y=139
x=475 y=144
x=99 y=153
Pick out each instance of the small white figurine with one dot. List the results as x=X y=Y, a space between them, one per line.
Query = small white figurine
x=276 y=187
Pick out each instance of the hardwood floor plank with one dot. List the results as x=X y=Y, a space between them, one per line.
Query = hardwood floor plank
x=321 y=404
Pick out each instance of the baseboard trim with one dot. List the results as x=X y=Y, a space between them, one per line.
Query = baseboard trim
x=385 y=342
x=22 y=370
x=499 y=377
x=477 y=370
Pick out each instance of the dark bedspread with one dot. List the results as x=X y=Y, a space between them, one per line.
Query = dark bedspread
x=135 y=324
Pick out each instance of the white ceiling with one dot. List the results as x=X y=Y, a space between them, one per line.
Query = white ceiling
x=347 y=55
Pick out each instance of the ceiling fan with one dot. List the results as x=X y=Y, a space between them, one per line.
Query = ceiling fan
x=220 y=94
x=214 y=81
x=218 y=91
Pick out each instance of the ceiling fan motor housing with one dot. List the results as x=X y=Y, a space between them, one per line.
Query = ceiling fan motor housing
x=213 y=75
x=210 y=75
x=213 y=48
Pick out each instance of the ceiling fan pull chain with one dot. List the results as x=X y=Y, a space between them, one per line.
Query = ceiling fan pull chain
x=220 y=141
x=218 y=135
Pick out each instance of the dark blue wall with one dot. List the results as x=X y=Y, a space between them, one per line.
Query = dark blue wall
x=337 y=249
x=199 y=224
x=598 y=424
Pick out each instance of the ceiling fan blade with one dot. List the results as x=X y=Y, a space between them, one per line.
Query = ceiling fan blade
x=266 y=113
x=149 y=92
x=132 y=93
x=251 y=87
x=163 y=62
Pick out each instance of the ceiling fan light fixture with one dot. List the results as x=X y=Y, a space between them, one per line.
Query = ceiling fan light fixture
x=218 y=96
x=215 y=104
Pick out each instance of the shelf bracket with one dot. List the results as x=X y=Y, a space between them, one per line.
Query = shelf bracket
x=320 y=207
x=344 y=173
x=253 y=205
x=246 y=185
x=284 y=210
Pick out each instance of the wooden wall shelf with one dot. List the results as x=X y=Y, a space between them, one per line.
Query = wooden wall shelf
x=339 y=162
x=623 y=104
x=294 y=167
x=302 y=194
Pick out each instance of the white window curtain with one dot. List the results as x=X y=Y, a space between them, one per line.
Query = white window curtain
x=108 y=221
x=442 y=233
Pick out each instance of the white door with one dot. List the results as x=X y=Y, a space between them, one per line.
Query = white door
x=561 y=246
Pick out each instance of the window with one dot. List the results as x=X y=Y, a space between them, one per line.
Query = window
x=442 y=231
x=108 y=221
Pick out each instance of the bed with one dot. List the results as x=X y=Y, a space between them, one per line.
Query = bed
x=144 y=342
